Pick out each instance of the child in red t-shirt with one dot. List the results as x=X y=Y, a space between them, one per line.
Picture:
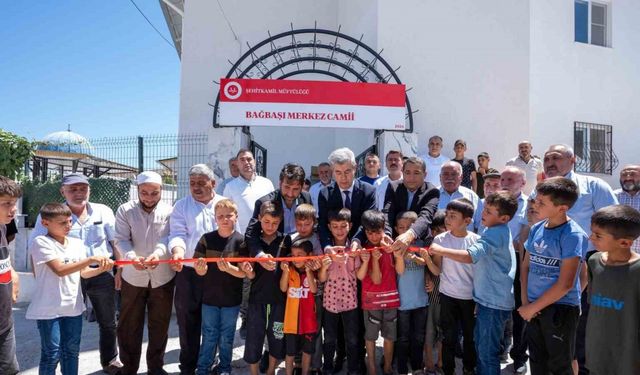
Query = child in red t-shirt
x=300 y=325
x=380 y=297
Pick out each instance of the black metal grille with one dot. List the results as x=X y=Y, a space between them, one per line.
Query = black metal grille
x=260 y=154
x=593 y=147
x=360 y=160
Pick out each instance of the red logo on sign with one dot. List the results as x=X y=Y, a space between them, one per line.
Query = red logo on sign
x=232 y=90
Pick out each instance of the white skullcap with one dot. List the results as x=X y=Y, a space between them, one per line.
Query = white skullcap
x=149 y=177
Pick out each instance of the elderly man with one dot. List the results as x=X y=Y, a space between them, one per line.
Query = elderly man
x=628 y=193
x=142 y=230
x=233 y=170
x=347 y=192
x=593 y=194
x=94 y=224
x=411 y=193
x=245 y=189
x=450 y=189
x=324 y=174
x=434 y=160
x=371 y=168
x=531 y=165
x=192 y=217
x=393 y=163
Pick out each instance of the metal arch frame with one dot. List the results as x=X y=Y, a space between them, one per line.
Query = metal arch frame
x=295 y=46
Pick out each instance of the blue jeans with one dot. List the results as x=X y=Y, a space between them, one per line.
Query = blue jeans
x=218 y=328
x=489 y=329
x=60 y=342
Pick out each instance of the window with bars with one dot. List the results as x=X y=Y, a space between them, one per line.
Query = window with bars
x=593 y=148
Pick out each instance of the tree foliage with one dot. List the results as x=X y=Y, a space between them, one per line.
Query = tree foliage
x=14 y=152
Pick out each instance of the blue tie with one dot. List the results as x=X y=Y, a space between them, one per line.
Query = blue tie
x=347 y=199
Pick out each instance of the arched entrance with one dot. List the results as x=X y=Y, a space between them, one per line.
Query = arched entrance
x=316 y=54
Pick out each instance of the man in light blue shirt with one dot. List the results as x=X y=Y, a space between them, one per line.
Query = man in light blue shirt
x=94 y=224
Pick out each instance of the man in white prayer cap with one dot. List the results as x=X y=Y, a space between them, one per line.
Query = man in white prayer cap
x=142 y=231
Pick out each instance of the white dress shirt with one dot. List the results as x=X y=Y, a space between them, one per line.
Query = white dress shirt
x=245 y=194
x=189 y=220
x=433 y=168
x=381 y=185
x=141 y=234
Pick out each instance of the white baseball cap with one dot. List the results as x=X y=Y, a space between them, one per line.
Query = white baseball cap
x=149 y=177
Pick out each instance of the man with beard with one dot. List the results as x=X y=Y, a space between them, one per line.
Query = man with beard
x=247 y=188
x=142 y=230
x=629 y=192
x=393 y=163
x=192 y=217
x=94 y=224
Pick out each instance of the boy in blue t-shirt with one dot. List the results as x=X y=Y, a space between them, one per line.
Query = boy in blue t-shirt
x=494 y=271
x=550 y=278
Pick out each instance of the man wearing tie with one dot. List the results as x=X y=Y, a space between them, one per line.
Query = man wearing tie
x=345 y=192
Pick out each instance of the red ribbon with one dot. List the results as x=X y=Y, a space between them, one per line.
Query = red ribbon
x=262 y=259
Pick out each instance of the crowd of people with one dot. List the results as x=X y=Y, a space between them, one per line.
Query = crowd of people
x=439 y=258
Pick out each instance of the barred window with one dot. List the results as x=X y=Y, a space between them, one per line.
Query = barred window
x=593 y=148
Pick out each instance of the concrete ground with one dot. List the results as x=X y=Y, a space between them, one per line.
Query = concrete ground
x=28 y=347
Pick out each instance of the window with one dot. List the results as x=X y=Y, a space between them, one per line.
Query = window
x=593 y=147
x=592 y=23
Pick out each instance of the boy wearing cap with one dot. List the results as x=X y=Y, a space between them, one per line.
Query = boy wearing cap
x=94 y=224
x=142 y=230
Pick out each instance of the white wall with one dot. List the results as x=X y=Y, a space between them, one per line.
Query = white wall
x=580 y=82
x=467 y=62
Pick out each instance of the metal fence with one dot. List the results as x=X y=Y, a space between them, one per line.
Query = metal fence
x=112 y=166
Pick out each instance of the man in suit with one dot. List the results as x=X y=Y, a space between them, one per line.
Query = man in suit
x=411 y=194
x=345 y=192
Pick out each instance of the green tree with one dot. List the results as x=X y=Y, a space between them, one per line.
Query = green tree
x=14 y=152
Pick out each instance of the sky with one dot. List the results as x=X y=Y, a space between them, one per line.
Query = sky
x=96 y=65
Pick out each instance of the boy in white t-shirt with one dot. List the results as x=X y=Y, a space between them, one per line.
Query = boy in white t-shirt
x=58 y=263
x=456 y=288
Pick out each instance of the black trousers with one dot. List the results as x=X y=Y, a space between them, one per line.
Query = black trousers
x=412 y=326
x=455 y=313
x=135 y=301
x=102 y=294
x=188 y=303
x=519 y=349
x=350 y=320
x=551 y=337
